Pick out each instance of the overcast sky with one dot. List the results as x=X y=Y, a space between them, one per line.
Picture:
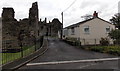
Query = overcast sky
x=53 y=8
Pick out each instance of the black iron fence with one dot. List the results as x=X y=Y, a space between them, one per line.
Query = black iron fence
x=14 y=49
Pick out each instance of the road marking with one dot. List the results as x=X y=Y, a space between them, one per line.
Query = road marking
x=87 y=66
x=74 y=61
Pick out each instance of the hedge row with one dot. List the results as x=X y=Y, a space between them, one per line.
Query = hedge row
x=115 y=50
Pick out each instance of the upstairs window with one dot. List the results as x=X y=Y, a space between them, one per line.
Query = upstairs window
x=86 y=30
x=107 y=29
x=72 y=31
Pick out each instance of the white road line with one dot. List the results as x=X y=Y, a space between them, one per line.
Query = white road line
x=74 y=61
x=87 y=66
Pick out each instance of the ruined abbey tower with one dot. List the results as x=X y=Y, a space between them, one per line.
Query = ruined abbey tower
x=8 y=14
x=34 y=19
x=8 y=21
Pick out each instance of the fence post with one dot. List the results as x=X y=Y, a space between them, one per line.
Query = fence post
x=21 y=49
x=95 y=42
x=39 y=41
x=34 y=39
x=35 y=44
x=84 y=41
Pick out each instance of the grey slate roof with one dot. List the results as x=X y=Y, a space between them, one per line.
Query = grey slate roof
x=82 y=22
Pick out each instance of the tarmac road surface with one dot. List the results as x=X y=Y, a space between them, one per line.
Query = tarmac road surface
x=59 y=51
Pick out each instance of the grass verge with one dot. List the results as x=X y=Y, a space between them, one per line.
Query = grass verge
x=8 y=57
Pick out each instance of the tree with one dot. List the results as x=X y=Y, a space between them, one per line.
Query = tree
x=116 y=20
x=115 y=35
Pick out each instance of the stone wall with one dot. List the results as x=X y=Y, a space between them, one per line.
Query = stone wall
x=51 y=28
x=8 y=13
x=10 y=28
x=28 y=29
x=56 y=26
x=9 y=24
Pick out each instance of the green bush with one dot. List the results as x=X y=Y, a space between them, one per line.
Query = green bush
x=97 y=49
x=104 y=41
x=117 y=41
x=113 y=50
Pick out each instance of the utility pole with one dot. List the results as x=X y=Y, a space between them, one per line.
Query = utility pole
x=61 y=34
x=62 y=17
x=62 y=26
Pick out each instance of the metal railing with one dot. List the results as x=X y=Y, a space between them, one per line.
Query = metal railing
x=12 y=49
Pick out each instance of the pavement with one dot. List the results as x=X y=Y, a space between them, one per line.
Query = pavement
x=60 y=51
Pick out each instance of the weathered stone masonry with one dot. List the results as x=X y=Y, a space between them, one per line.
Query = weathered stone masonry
x=29 y=28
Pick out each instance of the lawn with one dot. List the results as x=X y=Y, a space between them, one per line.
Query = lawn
x=8 y=57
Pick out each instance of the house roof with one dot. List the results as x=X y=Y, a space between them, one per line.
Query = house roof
x=79 y=23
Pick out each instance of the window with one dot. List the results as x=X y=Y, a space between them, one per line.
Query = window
x=66 y=32
x=72 y=31
x=86 y=29
x=108 y=29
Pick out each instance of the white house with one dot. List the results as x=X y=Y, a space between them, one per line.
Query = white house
x=90 y=31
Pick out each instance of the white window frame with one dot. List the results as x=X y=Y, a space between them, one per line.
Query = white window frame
x=86 y=29
x=107 y=29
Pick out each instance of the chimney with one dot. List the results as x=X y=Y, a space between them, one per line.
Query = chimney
x=95 y=14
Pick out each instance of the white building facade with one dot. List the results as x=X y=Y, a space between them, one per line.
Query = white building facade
x=89 y=32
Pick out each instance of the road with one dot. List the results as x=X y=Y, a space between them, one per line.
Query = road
x=60 y=51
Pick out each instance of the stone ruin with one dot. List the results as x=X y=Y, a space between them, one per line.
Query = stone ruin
x=30 y=27
x=34 y=19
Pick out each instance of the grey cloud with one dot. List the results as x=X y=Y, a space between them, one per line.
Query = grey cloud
x=53 y=8
x=85 y=4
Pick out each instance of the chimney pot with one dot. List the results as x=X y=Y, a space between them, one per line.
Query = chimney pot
x=95 y=14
